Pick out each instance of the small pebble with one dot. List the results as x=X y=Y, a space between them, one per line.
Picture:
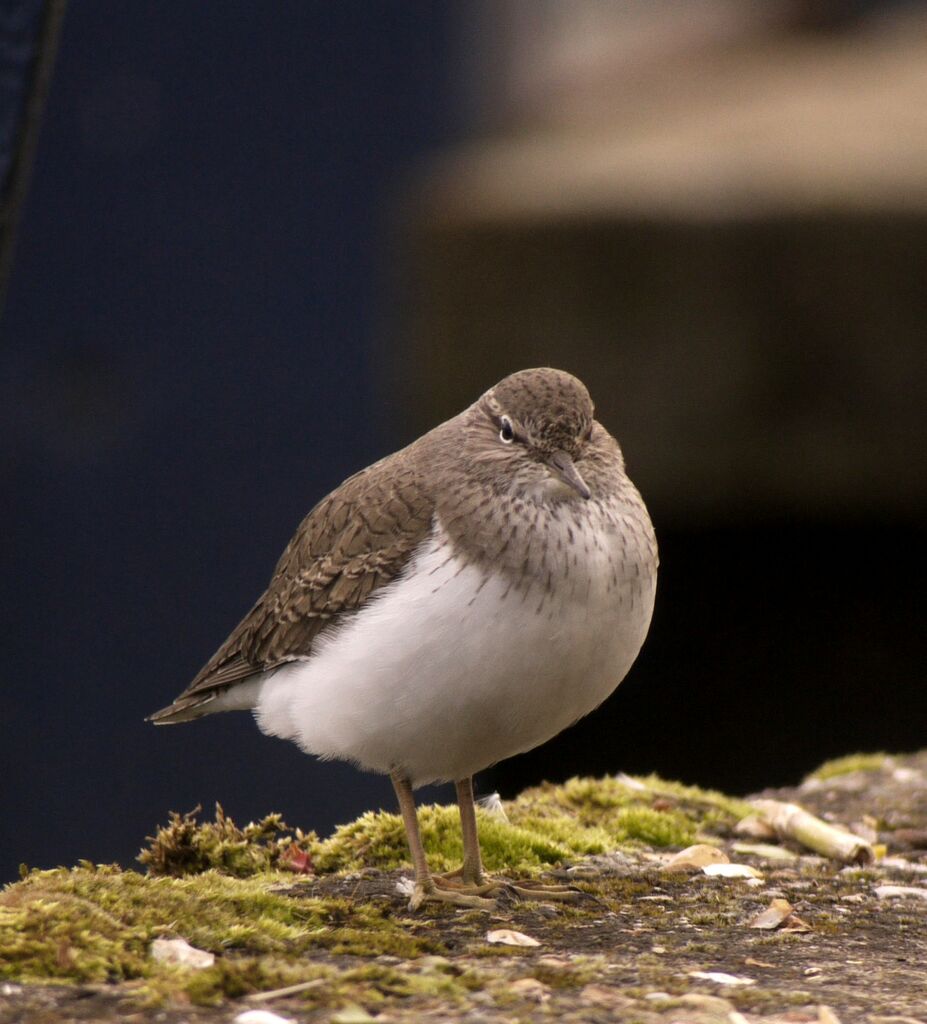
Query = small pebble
x=261 y=1017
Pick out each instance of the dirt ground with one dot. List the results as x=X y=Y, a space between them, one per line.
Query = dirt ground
x=641 y=945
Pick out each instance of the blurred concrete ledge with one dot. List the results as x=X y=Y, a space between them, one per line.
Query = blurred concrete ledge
x=796 y=125
x=731 y=251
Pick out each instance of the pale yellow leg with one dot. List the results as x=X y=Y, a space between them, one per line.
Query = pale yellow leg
x=471 y=879
x=425 y=887
x=472 y=871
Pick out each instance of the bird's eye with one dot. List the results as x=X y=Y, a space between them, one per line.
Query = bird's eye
x=506 y=433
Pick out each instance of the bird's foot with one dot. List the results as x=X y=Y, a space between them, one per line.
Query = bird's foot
x=521 y=888
x=532 y=889
x=453 y=888
x=440 y=891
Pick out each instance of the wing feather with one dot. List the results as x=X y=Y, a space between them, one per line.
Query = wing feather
x=352 y=543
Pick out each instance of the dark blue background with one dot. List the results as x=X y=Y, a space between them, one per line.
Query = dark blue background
x=199 y=305
x=185 y=371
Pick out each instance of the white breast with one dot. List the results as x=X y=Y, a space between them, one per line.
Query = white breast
x=448 y=670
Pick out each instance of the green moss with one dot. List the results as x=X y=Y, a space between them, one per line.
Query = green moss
x=625 y=889
x=578 y=972
x=377 y=839
x=184 y=847
x=232 y=978
x=214 y=884
x=369 y=986
x=850 y=763
x=547 y=824
x=501 y=952
x=592 y=815
x=97 y=924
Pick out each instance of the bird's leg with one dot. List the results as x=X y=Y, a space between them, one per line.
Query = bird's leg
x=470 y=878
x=472 y=871
x=425 y=888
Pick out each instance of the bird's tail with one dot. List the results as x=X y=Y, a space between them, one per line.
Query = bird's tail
x=183 y=710
x=242 y=696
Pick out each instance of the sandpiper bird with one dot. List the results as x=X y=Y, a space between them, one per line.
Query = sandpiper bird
x=458 y=602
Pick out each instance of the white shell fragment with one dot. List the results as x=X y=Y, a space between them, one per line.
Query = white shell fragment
x=891 y=891
x=352 y=1015
x=508 y=937
x=405 y=886
x=753 y=876
x=720 y=978
x=179 y=951
x=262 y=1017
x=903 y=864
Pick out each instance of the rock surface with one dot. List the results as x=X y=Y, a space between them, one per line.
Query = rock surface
x=643 y=945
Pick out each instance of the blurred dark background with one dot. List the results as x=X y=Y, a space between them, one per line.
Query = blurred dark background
x=260 y=250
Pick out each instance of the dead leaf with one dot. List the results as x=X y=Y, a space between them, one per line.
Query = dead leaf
x=297 y=861
x=772 y=916
x=694 y=858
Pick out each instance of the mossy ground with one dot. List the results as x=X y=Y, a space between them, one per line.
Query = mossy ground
x=223 y=888
x=546 y=825
x=850 y=763
x=341 y=927
x=96 y=924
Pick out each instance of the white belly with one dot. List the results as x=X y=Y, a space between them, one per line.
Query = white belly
x=446 y=672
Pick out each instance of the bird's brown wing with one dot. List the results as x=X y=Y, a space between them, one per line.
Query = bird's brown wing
x=355 y=540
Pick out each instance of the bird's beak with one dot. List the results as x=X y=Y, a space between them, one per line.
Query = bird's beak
x=563 y=466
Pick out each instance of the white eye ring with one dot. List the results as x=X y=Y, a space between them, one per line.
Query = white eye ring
x=506 y=433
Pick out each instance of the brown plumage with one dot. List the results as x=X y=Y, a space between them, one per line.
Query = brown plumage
x=363 y=534
x=355 y=540
x=477 y=592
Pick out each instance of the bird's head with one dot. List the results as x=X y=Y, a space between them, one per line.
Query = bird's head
x=532 y=429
